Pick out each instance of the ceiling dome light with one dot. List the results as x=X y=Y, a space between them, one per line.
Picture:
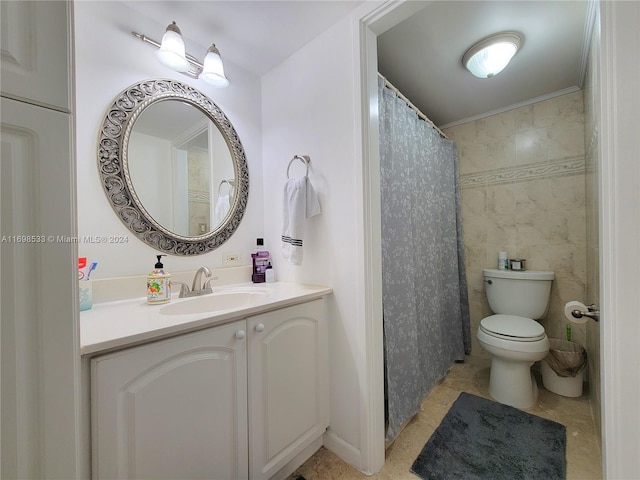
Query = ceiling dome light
x=171 y=51
x=490 y=56
x=213 y=71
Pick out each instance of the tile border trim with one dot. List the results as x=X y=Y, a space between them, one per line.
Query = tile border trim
x=525 y=173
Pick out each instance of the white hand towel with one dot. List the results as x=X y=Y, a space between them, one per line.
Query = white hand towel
x=221 y=209
x=300 y=202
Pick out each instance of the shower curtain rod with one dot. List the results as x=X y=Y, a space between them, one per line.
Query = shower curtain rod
x=412 y=106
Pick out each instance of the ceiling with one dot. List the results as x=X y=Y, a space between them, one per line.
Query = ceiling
x=420 y=56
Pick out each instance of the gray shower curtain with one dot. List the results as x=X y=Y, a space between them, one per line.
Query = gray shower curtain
x=425 y=300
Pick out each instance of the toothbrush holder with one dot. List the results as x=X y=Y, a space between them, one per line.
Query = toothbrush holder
x=86 y=294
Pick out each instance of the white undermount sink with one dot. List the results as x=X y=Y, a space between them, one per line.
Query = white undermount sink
x=214 y=302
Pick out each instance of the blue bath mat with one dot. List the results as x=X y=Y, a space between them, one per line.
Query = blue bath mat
x=485 y=440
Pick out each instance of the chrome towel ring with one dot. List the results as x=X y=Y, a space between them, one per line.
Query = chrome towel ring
x=229 y=187
x=303 y=158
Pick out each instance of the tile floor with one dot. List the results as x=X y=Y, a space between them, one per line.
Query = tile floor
x=583 y=447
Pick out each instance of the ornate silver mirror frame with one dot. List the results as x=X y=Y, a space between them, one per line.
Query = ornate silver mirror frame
x=116 y=180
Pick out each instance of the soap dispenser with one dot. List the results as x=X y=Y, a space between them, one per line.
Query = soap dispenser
x=158 y=284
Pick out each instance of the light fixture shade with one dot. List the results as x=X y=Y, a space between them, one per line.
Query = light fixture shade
x=213 y=71
x=172 y=52
x=490 y=56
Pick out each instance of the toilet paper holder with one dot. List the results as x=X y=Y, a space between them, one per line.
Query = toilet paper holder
x=593 y=313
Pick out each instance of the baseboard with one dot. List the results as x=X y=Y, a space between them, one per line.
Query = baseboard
x=344 y=450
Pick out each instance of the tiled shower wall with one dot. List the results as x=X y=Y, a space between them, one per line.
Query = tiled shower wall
x=522 y=177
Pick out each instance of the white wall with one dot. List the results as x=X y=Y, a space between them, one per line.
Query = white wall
x=310 y=106
x=154 y=187
x=108 y=60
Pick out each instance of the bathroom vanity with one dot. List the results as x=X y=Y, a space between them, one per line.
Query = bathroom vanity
x=240 y=392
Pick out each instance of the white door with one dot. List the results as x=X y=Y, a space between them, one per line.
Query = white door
x=288 y=384
x=172 y=409
x=619 y=248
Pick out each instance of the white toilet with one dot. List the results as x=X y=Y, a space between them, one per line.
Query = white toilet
x=512 y=336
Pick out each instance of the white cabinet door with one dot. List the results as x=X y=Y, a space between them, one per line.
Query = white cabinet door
x=288 y=384
x=36 y=52
x=173 y=409
x=39 y=345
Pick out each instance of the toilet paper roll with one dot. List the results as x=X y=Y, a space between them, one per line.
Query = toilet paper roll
x=574 y=305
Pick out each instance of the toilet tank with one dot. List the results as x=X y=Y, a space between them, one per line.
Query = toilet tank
x=522 y=293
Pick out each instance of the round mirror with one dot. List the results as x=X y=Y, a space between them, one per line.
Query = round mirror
x=173 y=167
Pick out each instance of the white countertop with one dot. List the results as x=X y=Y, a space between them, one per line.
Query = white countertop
x=112 y=325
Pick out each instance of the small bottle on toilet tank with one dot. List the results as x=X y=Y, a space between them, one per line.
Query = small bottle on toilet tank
x=503 y=262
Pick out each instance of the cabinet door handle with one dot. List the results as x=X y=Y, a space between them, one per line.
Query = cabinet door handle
x=260 y=327
x=240 y=334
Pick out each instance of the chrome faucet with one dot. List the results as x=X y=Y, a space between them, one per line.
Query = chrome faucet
x=197 y=287
x=197 y=281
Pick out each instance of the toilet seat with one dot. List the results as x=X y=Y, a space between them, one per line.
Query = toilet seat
x=512 y=328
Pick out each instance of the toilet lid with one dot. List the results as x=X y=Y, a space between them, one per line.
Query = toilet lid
x=512 y=327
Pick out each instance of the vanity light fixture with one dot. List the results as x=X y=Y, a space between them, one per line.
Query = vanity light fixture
x=172 y=54
x=491 y=55
x=213 y=70
x=171 y=51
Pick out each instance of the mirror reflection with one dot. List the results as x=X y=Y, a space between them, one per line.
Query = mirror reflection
x=181 y=168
